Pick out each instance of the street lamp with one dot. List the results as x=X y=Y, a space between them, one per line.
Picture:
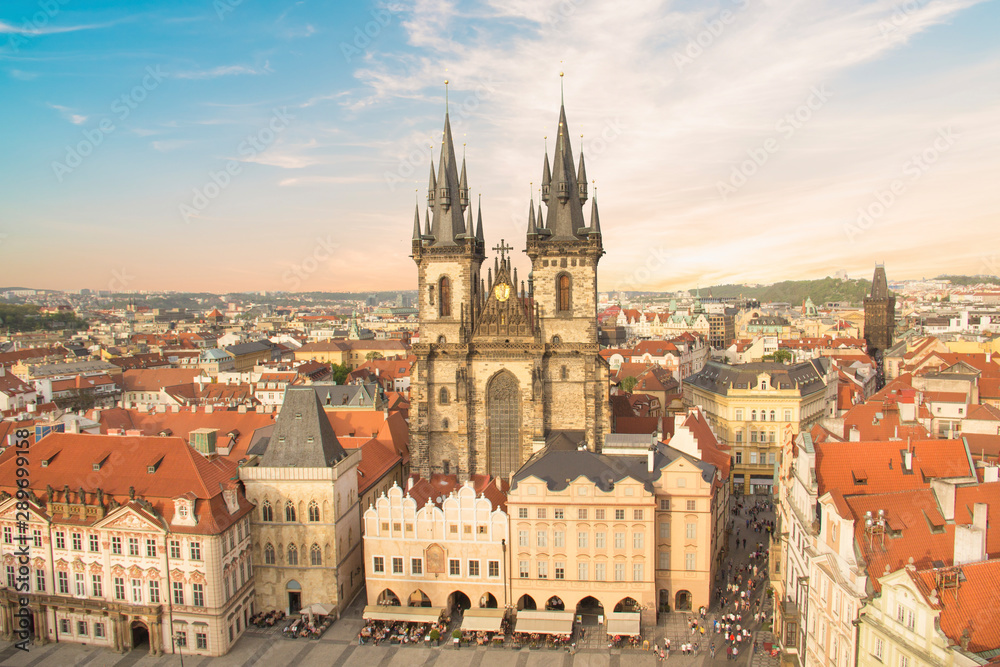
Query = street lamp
x=178 y=637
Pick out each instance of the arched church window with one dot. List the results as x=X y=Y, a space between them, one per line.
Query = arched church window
x=293 y=555
x=563 y=290
x=266 y=511
x=556 y=340
x=444 y=299
x=443 y=396
x=313 y=511
x=430 y=294
x=289 y=511
x=268 y=554
x=442 y=340
x=315 y=555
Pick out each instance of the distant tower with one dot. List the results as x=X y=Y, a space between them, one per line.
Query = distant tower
x=880 y=321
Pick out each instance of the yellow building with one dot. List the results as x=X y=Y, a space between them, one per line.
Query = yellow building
x=754 y=408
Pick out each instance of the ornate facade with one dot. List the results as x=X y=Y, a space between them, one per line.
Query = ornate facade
x=123 y=561
x=502 y=365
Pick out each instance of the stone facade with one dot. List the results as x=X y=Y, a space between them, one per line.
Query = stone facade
x=500 y=366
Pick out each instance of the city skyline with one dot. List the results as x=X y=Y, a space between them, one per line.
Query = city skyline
x=230 y=147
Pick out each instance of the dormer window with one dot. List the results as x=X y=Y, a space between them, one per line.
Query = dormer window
x=182 y=511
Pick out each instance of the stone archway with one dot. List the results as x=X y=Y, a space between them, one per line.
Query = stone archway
x=140 y=636
x=488 y=601
x=419 y=599
x=683 y=601
x=387 y=598
x=526 y=602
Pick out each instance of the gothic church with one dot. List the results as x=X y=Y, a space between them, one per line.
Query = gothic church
x=504 y=367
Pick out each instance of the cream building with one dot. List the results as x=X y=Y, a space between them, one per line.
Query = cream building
x=602 y=533
x=439 y=554
x=123 y=561
x=755 y=408
x=307 y=525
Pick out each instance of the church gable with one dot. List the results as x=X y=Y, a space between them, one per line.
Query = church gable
x=504 y=312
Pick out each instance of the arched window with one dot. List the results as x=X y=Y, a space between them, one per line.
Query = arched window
x=266 y=511
x=268 y=554
x=442 y=340
x=315 y=555
x=289 y=511
x=445 y=423
x=773 y=415
x=444 y=297
x=443 y=396
x=562 y=289
x=293 y=554
x=563 y=373
x=770 y=436
x=313 y=511
x=753 y=415
x=556 y=340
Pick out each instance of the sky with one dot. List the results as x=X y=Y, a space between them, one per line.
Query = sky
x=230 y=145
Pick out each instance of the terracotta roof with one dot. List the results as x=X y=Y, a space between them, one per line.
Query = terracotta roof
x=972 y=606
x=377 y=458
x=946 y=397
x=9 y=358
x=869 y=467
x=984 y=412
x=155 y=379
x=879 y=420
x=11 y=385
x=440 y=486
x=124 y=463
x=989 y=388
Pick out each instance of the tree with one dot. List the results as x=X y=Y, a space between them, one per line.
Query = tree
x=340 y=373
x=782 y=356
x=628 y=384
x=373 y=355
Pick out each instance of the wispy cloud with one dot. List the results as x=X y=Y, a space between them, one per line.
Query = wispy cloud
x=222 y=70
x=21 y=75
x=325 y=180
x=289 y=156
x=69 y=114
x=29 y=30
x=169 y=144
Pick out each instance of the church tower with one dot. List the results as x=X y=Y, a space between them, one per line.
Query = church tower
x=880 y=322
x=502 y=369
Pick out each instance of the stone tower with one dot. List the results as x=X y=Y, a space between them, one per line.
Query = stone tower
x=880 y=321
x=500 y=367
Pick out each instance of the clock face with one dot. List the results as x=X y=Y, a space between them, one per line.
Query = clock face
x=502 y=291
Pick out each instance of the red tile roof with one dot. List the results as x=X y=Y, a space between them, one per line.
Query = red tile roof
x=124 y=461
x=972 y=607
x=869 y=467
x=155 y=379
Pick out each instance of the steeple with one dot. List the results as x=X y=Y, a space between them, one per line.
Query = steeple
x=479 y=221
x=880 y=285
x=427 y=223
x=595 y=220
x=565 y=215
x=463 y=185
x=531 y=217
x=546 y=176
x=416 y=222
x=447 y=207
x=581 y=177
x=431 y=186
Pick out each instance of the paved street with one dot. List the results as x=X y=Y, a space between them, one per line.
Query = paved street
x=339 y=645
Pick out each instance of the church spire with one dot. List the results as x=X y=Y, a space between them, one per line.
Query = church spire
x=546 y=176
x=531 y=217
x=448 y=224
x=431 y=186
x=463 y=184
x=581 y=176
x=479 y=221
x=416 y=222
x=595 y=220
x=565 y=215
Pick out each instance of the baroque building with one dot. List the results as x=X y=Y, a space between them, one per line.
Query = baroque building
x=503 y=366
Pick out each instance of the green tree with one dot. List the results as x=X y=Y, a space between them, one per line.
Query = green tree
x=373 y=355
x=340 y=373
x=628 y=384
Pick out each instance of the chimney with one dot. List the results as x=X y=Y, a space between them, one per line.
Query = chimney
x=944 y=493
x=855 y=434
x=970 y=540
x=908 y=461
x=649 y=458
x=991 y=473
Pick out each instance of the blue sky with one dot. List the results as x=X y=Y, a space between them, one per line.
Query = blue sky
x=251 y=145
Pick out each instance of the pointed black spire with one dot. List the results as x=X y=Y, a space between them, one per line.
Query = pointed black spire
x=416 y=222
x=431 y=186
x=546 y=175
x=447 y=224
x=427 y=223
x=565 y=216
x=595 y=220
x=531 y=218
x=479 y=221
x=463 y=185
x=581 y=178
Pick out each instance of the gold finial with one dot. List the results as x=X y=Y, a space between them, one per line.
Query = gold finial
x=562 y=93
x=446 y=94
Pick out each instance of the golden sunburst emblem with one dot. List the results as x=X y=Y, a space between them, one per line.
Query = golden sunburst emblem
x=502 y=291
